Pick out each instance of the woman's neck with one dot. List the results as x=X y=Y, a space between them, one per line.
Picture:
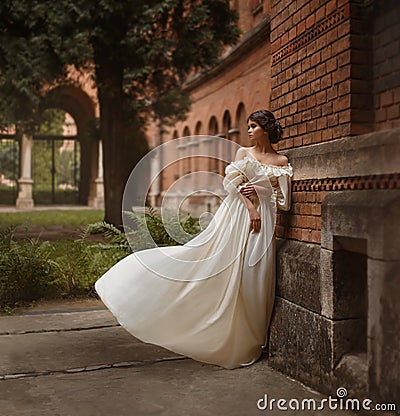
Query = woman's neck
x=263 y=148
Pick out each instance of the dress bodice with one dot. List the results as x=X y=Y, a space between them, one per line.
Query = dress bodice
x=250 y=170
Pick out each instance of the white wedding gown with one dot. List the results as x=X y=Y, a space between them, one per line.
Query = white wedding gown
x=210 y=299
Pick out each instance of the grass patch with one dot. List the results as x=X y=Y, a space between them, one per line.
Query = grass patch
x=68 y=218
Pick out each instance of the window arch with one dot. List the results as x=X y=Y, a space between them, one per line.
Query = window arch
x=241 y=123
x=213 y=126
x=226 y=123
x=198 y=128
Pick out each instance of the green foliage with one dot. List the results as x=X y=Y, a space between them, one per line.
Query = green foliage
x=140 y=54
x=68 y=168
x=8 y=195
x=81 y=264
x=51 y=122
x=42 y=163
x=150 y=46
x=9 y=162
x=31 y=270
x=114 y=237
x=147 y=231
x=28 y=62
x=26 y=271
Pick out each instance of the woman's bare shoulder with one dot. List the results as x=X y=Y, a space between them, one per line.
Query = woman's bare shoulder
x=281 y=160
x=241 y=153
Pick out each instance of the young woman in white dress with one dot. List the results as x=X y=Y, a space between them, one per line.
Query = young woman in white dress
x=212 y=298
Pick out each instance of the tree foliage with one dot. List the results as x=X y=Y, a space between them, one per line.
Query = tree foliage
x=28 y=62
x=140 y=54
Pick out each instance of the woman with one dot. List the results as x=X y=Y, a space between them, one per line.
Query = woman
x=212 y=298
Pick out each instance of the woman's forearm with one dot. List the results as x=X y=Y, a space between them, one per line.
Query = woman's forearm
x=250 y=206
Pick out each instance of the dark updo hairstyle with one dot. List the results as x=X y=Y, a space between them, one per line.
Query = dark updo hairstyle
x=268 y=123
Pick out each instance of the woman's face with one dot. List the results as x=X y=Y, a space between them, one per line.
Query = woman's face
x=255 y=132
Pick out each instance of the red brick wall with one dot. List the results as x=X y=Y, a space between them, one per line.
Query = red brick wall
x=331 y=69
x=304 y=221
x=320 y=55
x=251 y=13
x=386 y=64
x=335 y=72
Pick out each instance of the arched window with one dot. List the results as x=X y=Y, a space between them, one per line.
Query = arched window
x=198 y=128
x=213 y=126
x=214 y=150
x=241 y=124
x=226 y=123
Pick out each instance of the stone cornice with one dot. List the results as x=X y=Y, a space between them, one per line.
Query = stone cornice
x=376 y=153
x=250 y=40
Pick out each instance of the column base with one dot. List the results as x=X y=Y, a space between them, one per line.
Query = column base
x=24 y=200
x=24 y=203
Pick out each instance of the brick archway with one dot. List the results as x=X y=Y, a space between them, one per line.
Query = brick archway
x=83 y=108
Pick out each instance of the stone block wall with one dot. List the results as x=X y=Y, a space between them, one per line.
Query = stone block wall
x=334 y=85
x=336 y=314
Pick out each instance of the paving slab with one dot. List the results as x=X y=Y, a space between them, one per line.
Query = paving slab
x=49 y=352
x=63 y=362
x=55 y=321
x=182 y=388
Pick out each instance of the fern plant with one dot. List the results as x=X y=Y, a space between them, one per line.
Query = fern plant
x=114 y=237
x=146 y=230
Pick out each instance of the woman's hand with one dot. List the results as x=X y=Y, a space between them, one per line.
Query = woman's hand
x=255 y=220
x=248 y=190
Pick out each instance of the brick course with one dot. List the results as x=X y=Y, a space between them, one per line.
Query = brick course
x=317 y=70
x=386 y=68
x=303 y=221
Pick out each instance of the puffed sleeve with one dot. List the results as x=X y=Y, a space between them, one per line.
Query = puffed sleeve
x=234 y=176
x=283 y=190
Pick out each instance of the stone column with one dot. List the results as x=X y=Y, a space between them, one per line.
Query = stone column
x=98 y=200
x=25 y=182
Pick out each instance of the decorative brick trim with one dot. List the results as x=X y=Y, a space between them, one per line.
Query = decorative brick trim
x=389 y=181
x=311 y=34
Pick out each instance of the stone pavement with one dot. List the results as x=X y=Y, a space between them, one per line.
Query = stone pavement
x=73 y=359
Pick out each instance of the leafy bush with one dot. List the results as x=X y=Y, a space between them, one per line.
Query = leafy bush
x=27 y=272
x=32 y=270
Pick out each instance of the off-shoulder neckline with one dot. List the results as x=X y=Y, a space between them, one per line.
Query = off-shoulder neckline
x=266 y=164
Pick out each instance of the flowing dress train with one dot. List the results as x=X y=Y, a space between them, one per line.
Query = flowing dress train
x=210 y=299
